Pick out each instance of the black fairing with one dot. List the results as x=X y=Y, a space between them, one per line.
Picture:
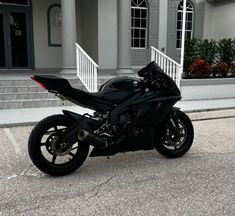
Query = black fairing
x=163 y=82
x=119 y=89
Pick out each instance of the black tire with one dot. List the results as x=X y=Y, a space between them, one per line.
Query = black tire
x=35 y=146
x=187 y=143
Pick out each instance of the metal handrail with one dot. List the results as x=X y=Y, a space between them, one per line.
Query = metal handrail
x=163 y=54
x=86 y=69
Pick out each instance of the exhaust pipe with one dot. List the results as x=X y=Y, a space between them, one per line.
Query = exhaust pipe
x=90 y=139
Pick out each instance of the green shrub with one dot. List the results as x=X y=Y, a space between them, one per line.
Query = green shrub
x=219 y=55
x=191 y=53
x=232 y=70
x=207 y=50
x=226 y=51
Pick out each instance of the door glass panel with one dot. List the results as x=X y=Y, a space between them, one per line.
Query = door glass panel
x=2 y=47
x=19 y=51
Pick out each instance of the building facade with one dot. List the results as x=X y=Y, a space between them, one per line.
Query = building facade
x=117 y=34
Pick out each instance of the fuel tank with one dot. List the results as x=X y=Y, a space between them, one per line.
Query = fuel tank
x=118 y=89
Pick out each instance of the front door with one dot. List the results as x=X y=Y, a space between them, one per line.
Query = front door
x=14 y=39
x=2 y=42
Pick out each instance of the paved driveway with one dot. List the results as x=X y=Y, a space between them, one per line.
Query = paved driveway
x=140 y=183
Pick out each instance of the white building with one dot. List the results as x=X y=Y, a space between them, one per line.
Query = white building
x=117 y=34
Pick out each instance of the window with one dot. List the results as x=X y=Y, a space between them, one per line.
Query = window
x=139 y=24
x=15 y=2
x=54 y=25
x=189 y=23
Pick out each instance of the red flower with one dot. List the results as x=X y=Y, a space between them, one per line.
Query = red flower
x=220 y=70
x=200 y=69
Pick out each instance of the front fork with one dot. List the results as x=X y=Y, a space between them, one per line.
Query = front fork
x=173 y=122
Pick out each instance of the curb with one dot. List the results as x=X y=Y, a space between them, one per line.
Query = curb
x=212 y=118
x=212 y=114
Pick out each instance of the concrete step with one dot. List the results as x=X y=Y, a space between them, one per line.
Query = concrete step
x=19 y=89
x=29 y=82
x=28 y=89
x=26 y=96
x=35 y=103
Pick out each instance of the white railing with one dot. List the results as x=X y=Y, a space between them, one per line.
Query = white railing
x=169 y=66
x=86 y=69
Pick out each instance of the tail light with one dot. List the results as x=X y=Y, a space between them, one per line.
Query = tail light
x=39 y=83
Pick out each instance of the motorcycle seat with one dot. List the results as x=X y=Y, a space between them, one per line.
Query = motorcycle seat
x=52 y=83
x=78 y=92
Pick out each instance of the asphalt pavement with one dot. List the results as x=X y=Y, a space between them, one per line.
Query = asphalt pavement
x=139 y=183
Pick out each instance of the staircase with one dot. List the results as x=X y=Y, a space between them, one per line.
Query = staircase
x=16 y=94
x=25 y=93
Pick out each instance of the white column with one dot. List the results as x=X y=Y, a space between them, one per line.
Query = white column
x=124 y=37
x=69 y=36
x=163 y=19
x=183 y=37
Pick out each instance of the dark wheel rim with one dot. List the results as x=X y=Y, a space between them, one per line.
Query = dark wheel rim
x=173 y=142
x=53 y=150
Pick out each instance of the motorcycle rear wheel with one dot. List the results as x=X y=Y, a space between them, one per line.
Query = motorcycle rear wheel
x=47 y=152
x=171 y=147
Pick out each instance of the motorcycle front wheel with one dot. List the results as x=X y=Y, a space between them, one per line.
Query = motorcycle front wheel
x=170 y=144
x=48 y=153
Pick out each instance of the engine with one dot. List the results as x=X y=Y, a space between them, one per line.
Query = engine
x=135 y=113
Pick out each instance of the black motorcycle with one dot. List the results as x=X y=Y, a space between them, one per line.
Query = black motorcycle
x=130 y=114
